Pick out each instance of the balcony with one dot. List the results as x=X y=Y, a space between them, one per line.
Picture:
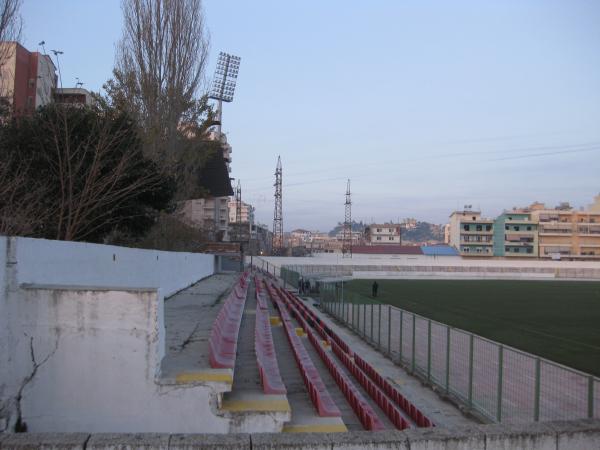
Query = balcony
x=474 y=232
x=463 y=242
x=556 y=230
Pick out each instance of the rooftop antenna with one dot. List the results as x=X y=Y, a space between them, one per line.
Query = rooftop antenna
x=56 y=53
x=347 y=242
x=277 y=243
x=79 y=83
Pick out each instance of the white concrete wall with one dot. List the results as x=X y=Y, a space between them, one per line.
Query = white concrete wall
x=42 y=261
x=82 y=336
x=103 y=354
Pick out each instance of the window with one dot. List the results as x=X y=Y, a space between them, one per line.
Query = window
x=488 y=228
x=378 y=238
x=466 y=227
x=528 y=227
x=473 y=217
x=391 y=238
x=529 y=250
x=379 y=230
x=479 y=227
x=466 y=249
x=517 y=228
x=507 y=249
x=506 y=227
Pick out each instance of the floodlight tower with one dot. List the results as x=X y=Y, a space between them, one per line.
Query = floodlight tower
x=277 y=243
x=347 y=242
x=223 y=86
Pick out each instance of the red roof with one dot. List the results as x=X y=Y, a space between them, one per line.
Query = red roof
x=387 y=249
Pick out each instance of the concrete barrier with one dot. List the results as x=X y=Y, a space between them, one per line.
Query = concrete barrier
x=86 y=321
x=577 y=435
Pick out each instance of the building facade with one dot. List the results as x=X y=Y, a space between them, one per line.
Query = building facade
x=211 y=214
x=380 y=234
x=27 y=79
x=569 y=233
x=532 y=232
x=516 y=234
x=72 y=96
x=471 y=234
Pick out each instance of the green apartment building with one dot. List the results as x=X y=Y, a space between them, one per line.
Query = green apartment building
x=515 y=235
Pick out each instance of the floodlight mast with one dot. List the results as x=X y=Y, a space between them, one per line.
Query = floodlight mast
x=224 y=82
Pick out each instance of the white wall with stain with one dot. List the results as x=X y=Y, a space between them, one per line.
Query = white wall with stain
x=82 y=337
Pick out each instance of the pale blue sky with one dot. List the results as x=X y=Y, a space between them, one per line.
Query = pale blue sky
x=425 y=105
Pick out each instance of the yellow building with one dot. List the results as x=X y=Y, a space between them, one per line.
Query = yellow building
x=568 y=233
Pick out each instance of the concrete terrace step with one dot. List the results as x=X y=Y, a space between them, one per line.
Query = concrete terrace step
x=189 y=316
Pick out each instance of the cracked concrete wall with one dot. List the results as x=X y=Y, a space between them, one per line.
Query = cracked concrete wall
x=82 y=335
x=97 y=354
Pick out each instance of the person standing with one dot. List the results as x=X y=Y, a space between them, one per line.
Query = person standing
x=374 y=289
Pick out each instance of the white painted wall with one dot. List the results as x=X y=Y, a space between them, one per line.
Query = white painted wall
x=97 y=313
x=42 y=261
x=101 y=372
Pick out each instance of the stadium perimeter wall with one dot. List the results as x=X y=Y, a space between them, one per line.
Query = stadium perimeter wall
x=582 y=435
x=431 y=267
x=82 y=337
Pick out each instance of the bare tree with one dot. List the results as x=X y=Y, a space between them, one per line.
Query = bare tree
x=10 y=24
x=10 y=31
x=92 y=175
x=160 y=65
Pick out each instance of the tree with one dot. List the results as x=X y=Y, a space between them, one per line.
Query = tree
x=159 y=68
x=87 y=170
x=10 y=31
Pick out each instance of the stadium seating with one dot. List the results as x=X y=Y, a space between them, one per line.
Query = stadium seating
x=317 y=391
x=266 y=357
x=226 y=327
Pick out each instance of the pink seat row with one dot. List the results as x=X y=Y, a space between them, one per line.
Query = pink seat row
x=226 y=327
x=319 y=395
x=266 y=357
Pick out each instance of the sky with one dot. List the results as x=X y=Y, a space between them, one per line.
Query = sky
x=426 y=106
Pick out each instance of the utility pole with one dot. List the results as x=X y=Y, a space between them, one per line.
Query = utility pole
x=277 y=247
x=347 y=242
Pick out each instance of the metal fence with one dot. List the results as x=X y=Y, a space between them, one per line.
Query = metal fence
x=501 y=383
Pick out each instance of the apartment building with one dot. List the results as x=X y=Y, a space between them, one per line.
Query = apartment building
x=471 y=234
x=383 y=234
x=516 y=234
x=27 y=79
x=569 y=233
x=211 y=214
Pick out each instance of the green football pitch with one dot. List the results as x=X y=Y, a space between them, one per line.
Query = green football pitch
x=559 y=321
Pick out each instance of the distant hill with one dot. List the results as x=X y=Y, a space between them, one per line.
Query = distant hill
x=423 y=231
x=356 y=226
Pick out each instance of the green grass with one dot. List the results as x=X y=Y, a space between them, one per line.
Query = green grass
x=559 y=321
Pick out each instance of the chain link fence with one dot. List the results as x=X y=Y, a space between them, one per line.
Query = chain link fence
x=500 y=383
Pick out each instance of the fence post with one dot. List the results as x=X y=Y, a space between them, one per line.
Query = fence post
x=590 y=397
x=536 y=405
x=429 y=350
x=447 y=360
x=500 y=376
x=471 y=338
x=358 y=318
x=400 y=340
x=379 y=329
x=389 y=346
x=372 y=321
x=414 y=333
